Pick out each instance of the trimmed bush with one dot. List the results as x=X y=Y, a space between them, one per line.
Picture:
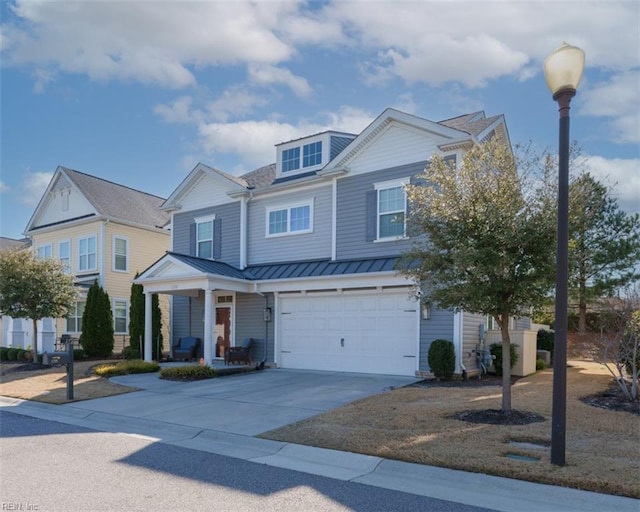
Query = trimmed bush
x=97 y=323
x=131 y=352
x=540 y=364
x=496 y=351
x=544 y=341
x=189 y=372
x=12 y=354
x=125 y=368
x=442 y=359
x=78 y=354
x=20 y=354
x=3 y=353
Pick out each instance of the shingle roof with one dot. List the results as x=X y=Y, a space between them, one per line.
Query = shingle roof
x=119 y=202
x=261 y=177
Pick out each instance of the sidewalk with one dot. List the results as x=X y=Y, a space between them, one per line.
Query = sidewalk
x=169 y=424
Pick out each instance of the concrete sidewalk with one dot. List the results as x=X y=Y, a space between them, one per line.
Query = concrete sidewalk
x=222 y=416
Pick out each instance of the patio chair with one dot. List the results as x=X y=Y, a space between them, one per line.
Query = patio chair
x=239 y=354
x=187 y=348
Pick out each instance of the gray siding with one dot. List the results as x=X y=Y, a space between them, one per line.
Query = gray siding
x=351 y=240
x=186 y=312
x=338 y=144
x=229 y=217
x=470 y=339
x=305 y=246
x=250 y=324
x=439 y=326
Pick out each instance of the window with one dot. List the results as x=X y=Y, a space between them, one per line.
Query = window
x=120 y=320
x=120 y=254
x=87 y=253
x=204 y=237
x=64 y=254
x=44 y=251
x=290 y=159
x=74 y=319
x=391 y=212
x=291 y=220
x=312 y=154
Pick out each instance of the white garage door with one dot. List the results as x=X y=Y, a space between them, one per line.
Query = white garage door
x=374 y=333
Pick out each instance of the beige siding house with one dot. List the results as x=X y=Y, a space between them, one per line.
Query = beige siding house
x=102 y=231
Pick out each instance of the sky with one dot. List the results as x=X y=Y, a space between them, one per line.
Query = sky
x=138 y=92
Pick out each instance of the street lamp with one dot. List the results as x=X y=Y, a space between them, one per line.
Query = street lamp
x=562 y=71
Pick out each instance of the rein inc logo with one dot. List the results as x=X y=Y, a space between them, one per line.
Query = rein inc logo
x=18 y=506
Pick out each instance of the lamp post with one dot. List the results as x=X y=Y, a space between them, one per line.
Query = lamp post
x=563 y=71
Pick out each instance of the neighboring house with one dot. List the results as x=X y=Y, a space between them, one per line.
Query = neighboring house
x=103 y=232
x=300 y=255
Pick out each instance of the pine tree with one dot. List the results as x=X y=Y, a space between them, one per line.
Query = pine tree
x=97 y=323
x=136 y=318
x=156 y=327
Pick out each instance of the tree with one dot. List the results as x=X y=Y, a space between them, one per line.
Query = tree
x=136 y=321
x=488 y=244
x=604 y=244
x=136 y=317
x=97 y=323
x=34 y=288
x=156 y=327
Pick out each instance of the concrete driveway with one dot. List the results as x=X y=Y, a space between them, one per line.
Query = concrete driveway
x=245 y=404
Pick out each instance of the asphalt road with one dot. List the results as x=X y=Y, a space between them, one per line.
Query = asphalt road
x=50 y=466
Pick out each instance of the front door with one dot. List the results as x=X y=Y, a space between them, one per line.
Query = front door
x=222 y=330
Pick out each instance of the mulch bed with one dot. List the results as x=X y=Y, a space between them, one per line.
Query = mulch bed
x=614 y=400
x=498 y=417
x=472 y=382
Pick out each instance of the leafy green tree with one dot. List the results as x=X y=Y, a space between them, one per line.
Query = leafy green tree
x=97 y=323
x=483 y=237
x=136 y=317
x=604 y=244
x=34 y=288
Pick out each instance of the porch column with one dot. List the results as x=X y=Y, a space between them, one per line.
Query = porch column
x=208 y=326
x=148 y=334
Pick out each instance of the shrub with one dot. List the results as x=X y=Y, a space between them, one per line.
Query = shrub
x=442 y=359
x=20 y=354
x=189 y=372
x=97 y=323
x=78 y=354
x=131 y=352
x=544 y=340
x=540 y=364
x=11 y=354
x=496 y=351
x=3 y=353
x=125 y=368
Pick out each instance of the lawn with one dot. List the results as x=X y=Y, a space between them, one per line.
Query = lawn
x=413 y=424
x=50 y=384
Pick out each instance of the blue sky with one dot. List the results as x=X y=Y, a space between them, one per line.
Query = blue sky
x=139 y=92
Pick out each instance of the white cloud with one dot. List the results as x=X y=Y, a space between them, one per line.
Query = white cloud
x=3 y=187
x=253 y=142
x=267 y=75
x=178 y=112
x=33 y=186
x=622 y=176
x=618 y=99
x=235 y=102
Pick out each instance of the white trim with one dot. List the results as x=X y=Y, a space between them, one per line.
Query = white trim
x=458 y=322
x=68 y=242
x=334 y=219
x=243 y=233
x=388 y=185
x=126 y=315
x=204 y=220
x=43 y=247
x=87 y=237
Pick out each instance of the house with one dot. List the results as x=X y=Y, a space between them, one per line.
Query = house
x=103 y=232
x=299 y=255
x=8 y=325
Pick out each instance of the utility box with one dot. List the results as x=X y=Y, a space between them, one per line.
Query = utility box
x=525 y=342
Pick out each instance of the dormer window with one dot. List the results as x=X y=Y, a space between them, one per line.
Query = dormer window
x=312 y=154
x=291 y=159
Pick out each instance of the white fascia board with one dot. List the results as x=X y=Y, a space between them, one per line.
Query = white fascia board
x=182 y=285
x=368 y=280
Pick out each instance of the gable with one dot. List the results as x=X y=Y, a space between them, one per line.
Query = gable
x=62 y=202
x=397 y=144
x=202 y=188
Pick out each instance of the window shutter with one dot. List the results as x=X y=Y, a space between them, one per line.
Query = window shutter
x=217 y=239
x=192 y=240
x=372 y=210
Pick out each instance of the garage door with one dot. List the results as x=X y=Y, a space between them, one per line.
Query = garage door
x=373 y=333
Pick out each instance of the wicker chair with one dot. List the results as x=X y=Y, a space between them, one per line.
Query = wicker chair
x=239 y=354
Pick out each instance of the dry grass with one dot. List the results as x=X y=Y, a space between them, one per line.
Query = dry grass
x=50 y=385
x=412 y=424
